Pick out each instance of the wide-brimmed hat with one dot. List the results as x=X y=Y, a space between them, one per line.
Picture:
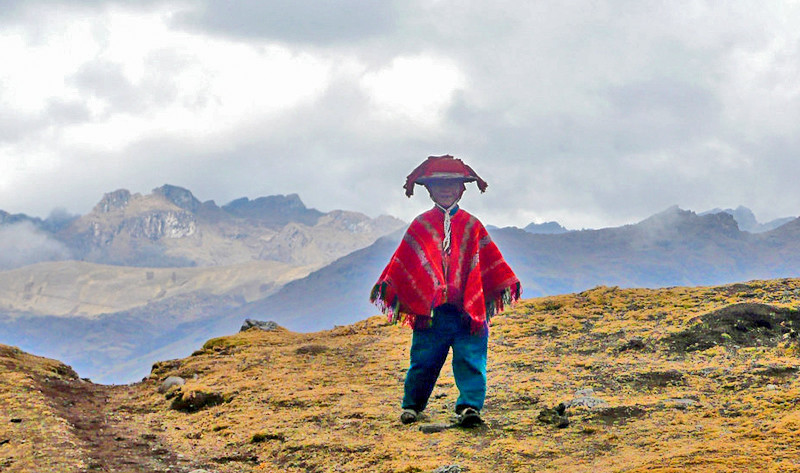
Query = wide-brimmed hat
x=442 y=167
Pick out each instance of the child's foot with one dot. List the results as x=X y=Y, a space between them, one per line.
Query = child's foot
x=469 y=417
x=409 y=416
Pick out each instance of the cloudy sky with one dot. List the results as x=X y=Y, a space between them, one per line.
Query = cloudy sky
x=591 y=113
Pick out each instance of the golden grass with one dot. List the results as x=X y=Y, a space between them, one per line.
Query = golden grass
x=329 y=401
x=33 y=436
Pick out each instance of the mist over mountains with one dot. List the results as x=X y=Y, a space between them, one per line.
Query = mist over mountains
x=149 y=277
x=747 y=220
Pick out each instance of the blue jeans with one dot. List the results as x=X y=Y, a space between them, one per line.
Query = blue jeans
x=429 y=349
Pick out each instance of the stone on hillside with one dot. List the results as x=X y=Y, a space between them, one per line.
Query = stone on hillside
x=434 y=428
x=680 y=404
x=585 y=398
x=268 y=325
x=588 y=402
x=171 y=382
x=448 y=469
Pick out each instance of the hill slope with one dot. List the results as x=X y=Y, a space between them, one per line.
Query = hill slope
x=334 y=295
x=679 y=379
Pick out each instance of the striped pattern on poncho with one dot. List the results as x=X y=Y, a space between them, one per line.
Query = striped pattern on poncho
x=472 y=275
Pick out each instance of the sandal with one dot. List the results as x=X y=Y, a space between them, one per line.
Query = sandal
x=469 y=417
x=409 y=416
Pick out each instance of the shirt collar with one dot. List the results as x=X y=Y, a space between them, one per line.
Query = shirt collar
x=452 y=211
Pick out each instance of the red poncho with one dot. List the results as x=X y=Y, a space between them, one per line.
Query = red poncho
x=472 y=276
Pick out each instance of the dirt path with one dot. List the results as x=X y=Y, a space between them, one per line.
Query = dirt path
x=104 y=424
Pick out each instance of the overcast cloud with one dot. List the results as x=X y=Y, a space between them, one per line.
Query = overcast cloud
x=22 y=244
x=591 y=113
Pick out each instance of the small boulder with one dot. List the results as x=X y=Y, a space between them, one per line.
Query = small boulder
x=171 y=382
x=455 y=468
x=680 y=404
x=585 y=398
x=261 y=325
x=434 y=428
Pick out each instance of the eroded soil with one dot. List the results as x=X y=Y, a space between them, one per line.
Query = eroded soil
x=101 y=419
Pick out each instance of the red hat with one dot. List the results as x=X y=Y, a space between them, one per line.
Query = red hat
x=442 y=167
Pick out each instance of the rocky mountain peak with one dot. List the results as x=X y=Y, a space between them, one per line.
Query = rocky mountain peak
x=179 y=196
x=112 y=201
x=548 y=228
x=675 y=222
x=274 y=209
x=270 y=202
x=745 y=217
x=9 y=219
x=747 y=220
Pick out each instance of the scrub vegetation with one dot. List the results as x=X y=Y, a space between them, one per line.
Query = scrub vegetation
x=698 y=379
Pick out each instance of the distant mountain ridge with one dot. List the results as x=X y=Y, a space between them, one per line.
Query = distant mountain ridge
x=140 y=272
x=171 y=228
x=275 y=210
x=743 y=216
x=549 y=228
x=188 y=270
x=673 y=247
x=747 y=219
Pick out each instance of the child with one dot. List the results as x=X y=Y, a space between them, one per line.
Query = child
x=445 y=280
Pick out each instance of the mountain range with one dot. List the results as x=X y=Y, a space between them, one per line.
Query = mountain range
x=140 y=272
x=147 y=277
x=673 y=247
x=745 y=219
x=171 y=228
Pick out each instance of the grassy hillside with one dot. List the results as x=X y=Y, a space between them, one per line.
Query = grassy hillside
x=77 y=288
x=24 y=444
x=669 y=380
